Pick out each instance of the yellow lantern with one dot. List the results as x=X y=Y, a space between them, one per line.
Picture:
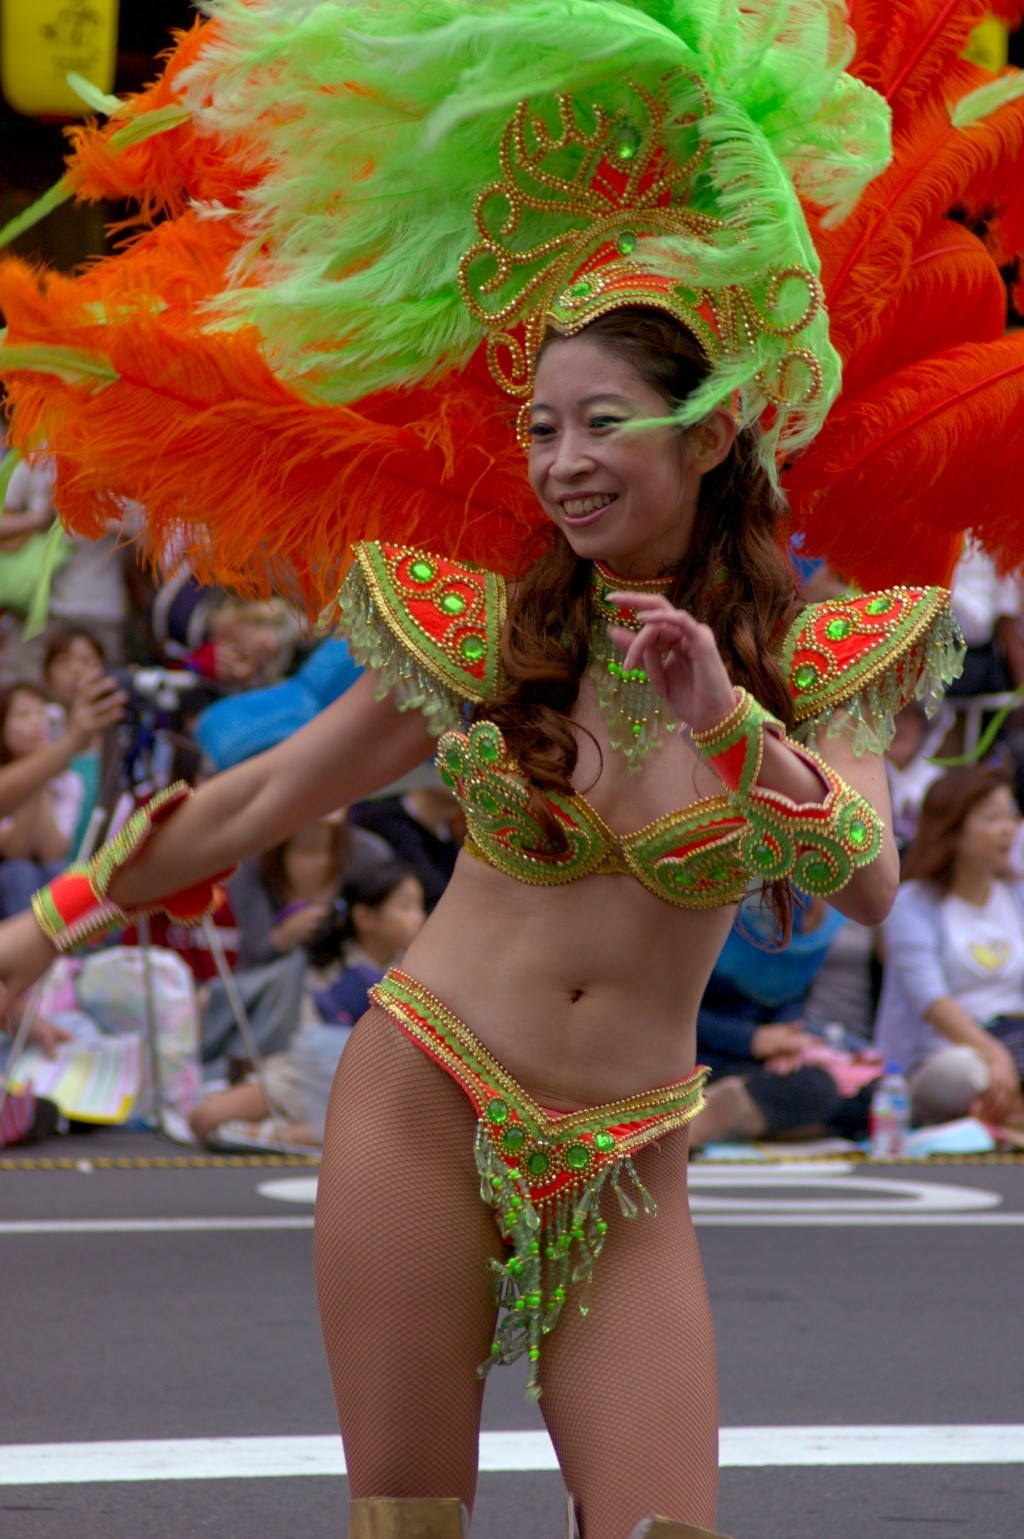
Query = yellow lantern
x=43 y=41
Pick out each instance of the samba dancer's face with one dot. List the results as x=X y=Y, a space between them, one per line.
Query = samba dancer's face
x=627 y=499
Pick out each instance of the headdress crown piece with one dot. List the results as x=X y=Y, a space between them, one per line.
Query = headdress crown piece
x=598 y=207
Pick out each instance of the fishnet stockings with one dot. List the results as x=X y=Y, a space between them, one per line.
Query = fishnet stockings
x=402 y=1245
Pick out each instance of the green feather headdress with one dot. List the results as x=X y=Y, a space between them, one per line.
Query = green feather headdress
x=379 y=124
x=344 y=220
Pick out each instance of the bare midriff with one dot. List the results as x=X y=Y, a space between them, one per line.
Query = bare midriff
x=585 y=993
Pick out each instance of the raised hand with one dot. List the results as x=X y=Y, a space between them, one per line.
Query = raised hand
x=680 y=657
x=98 y=705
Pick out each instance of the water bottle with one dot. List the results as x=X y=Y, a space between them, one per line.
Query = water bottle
x=889 y=1122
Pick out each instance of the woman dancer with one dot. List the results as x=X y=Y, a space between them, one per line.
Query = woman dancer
x=627 y=771
x=560 y=975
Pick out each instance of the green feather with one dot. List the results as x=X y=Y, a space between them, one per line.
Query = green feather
x=378 y=122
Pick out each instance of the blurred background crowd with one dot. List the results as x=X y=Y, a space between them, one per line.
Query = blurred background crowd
x=133 y=681
x=112 y=683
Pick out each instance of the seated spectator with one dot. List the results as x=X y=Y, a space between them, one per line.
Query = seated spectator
x=772 y=1074
x=423 y=828
x=383 y=912
x=73 y=659
x=234 y=643
x=988 y=608
x=283 y=897
x=99 y=705
x=281 y=902
x=35 y=839
x=952 y=1007
x=908 y=766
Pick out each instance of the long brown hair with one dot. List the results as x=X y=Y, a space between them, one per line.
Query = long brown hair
x=947 y=803
x=735 y=578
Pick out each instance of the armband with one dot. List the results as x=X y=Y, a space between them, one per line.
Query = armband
x=816 y=845
x=75 y=907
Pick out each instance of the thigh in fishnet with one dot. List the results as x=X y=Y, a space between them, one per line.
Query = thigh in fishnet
x=402 y=1249
x=630 y=1390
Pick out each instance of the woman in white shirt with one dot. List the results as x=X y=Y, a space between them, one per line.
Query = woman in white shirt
x=952 y=1007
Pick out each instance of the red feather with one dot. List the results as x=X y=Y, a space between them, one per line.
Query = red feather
x=952 y=293
x=907 y=48
x=937 y=167
x=900 y=470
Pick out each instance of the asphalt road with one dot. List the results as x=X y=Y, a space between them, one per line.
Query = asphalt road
x=869 y=1323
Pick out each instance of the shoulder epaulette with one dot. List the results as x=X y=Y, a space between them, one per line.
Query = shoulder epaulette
x=868 y=656
x=430 y=626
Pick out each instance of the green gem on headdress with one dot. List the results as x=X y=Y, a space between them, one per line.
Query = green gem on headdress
x=422 y=571
x=626 y=141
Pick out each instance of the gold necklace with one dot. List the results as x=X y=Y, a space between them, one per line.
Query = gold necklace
x=637 y=718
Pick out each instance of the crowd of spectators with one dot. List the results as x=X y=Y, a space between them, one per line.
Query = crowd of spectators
x=110 y=695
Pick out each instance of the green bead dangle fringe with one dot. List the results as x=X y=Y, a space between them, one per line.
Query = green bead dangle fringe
x=551 y=1249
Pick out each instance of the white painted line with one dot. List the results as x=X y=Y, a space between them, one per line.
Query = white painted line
x=148 y=1225
x=740 y=1218
x=878 y=1195
x=900 y=1220
x=806 y=1447
x=290 y=1189
x=259 y=1458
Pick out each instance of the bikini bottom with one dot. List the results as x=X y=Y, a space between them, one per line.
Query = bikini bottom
x=542 y=1172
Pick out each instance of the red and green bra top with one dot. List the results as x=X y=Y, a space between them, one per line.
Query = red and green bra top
x=431 y=627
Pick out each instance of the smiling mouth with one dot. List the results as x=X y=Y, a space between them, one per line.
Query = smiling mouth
x=578 y=510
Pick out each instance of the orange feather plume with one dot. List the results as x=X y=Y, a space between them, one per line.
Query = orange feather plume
x=926 y=439
x=906 y=49
x=200 y=431
x=952 y=293
x=936 y=168
x=161 y=174
x=939 y=445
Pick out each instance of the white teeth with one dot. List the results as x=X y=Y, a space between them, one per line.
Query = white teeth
x=579 y=507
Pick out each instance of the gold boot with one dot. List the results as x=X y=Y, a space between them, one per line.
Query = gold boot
x=668 y=1528
x=385 y=1517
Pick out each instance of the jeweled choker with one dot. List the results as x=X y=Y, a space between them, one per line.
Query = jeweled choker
x=636 y=717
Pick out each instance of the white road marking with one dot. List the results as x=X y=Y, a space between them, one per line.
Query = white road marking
x=294 y=1189
x=884 y=1195
x=257 y=1458
x=148 y=1225
x=876 y=1194
x=808 y=1194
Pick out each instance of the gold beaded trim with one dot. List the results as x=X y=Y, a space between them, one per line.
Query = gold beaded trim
x=615 y=198
x=710 y=740
x=673 y=1104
